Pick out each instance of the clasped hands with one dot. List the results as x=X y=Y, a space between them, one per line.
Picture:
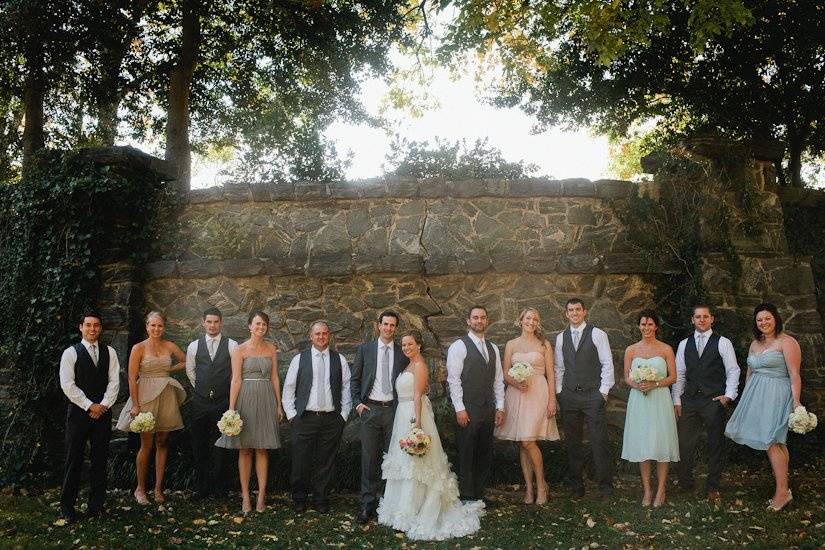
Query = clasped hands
x=96 y=410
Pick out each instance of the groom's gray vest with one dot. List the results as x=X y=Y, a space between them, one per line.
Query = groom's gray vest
x=704 y=375
x=303 y=382
x=582 y=368
x=477 y=379
x=212 y=376
x=90 y=378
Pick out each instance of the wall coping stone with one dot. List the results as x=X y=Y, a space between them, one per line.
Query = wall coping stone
x=403 y=188
x=801 y=196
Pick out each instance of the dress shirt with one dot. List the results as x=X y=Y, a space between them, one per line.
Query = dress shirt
x=291 y=381
x=599 y=338
x=192 y=350
x=455 y=365
x=728 y=358
x=75 y=394
x=376 y=394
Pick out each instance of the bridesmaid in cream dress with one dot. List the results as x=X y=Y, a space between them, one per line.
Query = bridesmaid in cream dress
x=151 y=389
x=530 y=407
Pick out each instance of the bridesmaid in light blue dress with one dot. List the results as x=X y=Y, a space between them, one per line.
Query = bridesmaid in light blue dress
x=650 y=421
x=772 y=390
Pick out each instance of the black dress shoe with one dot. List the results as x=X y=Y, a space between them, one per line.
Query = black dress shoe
x=321 y=507
x=300 y=507
x=363 y=516
x=97 y=512
x=68 y=517
x=577 y=493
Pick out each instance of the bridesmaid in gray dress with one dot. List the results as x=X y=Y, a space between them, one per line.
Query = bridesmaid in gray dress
x=772 y=390
x=255 y=392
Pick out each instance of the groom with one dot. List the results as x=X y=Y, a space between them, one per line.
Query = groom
x=707 y=380
x=477 y=391
x=584 y=376
x=377 y=364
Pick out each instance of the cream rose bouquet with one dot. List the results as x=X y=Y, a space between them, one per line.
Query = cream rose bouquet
x=521 y=371
x=416 y=442
x=143 y=422
x=230 y=423
x=801 y=421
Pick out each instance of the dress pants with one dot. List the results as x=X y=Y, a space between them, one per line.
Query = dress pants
x=475 y=453
x=578 y=407
x=376 y=429
x=315 y=441
x=698 y=412
x=211 y=462
x=81 y=428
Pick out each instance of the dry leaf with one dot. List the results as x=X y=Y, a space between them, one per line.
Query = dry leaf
x=590 y=522
x=237 y=520
x=199 y=521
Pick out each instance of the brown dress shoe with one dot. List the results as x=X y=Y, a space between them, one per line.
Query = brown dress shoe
x=714 y=496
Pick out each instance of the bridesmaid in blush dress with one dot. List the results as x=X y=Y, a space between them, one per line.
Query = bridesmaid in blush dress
x=530 y=407
x=151 y=389
x=772 y=391
x=650 y=422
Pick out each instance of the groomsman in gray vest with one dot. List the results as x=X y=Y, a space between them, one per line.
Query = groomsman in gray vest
x=477 y=392
x=90 y=378
x=317 y=402
x=707 y=380
x=377 y=364
x=209 y=368
x=584 y=376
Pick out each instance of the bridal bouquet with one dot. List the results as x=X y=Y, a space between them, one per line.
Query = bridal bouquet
x=230 y=423
x=801 y=421
x=521 y=371
x=416 y=442
x=143 y=422
x=644 y=373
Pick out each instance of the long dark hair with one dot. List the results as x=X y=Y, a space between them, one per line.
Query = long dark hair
x=770 y=308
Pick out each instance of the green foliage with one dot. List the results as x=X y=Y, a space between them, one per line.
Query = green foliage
x=458 y=160
x=56 y=225
x=748 y=69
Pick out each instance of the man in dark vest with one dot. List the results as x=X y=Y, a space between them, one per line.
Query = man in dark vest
x=90 y=378
x=317 y=402
x=209 y=368
x=707 y=380
x=377 y=364
x=477 y=392
x=584 y=376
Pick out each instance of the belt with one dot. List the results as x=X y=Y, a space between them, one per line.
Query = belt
x=581 y=389
x=319 y=413
x=380 y=403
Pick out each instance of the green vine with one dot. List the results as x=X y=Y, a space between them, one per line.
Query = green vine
x=56 y=225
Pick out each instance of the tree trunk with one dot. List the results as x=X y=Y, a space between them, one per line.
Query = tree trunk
x=106 y=128
x=178 y=150
x=33 y=97
x=795 y=145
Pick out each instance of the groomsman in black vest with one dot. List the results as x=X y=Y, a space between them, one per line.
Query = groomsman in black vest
x=209 y=368
x=707 y=380
x=90 y=378
x=476 y=384
x=377 y=364
x=584 y=376
x=317 y=402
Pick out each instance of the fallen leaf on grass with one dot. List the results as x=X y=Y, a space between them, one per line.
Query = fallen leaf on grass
x=756 y=528
x=237 y=520
x=212 y=522
x=155 y=530
x=272 y=538
x=590 y=522
x=199 y=521
x=175 y=540
x=234 y=533
x=60 y=522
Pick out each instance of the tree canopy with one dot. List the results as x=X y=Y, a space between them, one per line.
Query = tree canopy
x=751 y=69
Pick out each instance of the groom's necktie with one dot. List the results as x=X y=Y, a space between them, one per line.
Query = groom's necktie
x=211 y=348
x=482 y=346
x=321 y=381
x=576 y=336
x=93 y=353
x=386 y=383
x=700 y=344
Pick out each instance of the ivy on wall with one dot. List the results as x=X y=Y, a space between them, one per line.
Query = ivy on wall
x=56 y=225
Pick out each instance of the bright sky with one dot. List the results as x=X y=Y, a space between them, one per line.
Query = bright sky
x=459 y=115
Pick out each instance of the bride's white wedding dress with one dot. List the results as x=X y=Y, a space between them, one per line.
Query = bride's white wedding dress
x=421 y=496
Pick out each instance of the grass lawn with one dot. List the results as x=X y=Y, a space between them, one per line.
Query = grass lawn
x=686 y=521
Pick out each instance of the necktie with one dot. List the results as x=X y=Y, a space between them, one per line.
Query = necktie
x=386 y=385
x=321 y=382
x=576 y=336
x=700 y=344
x=211 y=348
x=483 y=347
x=93 y=348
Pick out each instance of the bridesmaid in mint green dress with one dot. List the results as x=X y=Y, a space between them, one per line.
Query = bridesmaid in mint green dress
x=650 y=421
x=772 y=390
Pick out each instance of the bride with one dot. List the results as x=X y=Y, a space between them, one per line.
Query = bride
x=421 y=495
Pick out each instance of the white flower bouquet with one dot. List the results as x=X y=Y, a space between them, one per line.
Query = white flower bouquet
x=416 y=442
x=230 y=423
x=644 y=373
x=143 y=422
x=801 y=421
x=521 y=371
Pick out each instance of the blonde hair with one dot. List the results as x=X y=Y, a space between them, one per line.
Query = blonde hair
x=539 y=332
x=157 y=314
